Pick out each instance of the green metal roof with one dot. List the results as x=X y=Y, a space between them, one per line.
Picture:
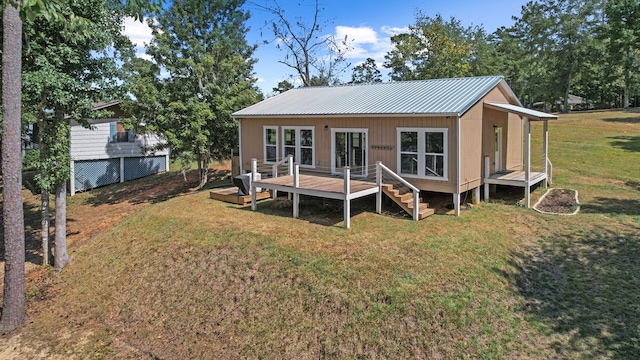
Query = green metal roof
x=423 y=97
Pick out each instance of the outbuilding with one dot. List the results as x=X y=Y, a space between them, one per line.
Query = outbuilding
x=107 y=153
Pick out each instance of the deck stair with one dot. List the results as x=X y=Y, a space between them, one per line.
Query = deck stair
x=404 y=198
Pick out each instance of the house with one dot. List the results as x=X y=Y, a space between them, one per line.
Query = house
x=441 y=135
x=106 y=153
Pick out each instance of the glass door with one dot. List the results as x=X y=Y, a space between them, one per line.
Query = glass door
x=350 y=149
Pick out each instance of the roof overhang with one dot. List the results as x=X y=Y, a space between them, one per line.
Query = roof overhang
x=521 y=111
x=321 y=116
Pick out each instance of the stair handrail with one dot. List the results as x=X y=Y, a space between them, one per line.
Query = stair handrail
x=549 y=172
x=416 y=192
x=274 y=167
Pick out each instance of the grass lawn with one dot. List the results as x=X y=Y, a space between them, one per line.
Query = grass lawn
x=190 y=277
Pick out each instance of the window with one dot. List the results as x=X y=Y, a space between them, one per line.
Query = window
x=270 y=144
x=298 y=141
x=118 y=134
x=423 y=152
x=349 y=148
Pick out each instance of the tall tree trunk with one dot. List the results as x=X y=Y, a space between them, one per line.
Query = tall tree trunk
x=61 y=256
x=44 y=222
x=13 y=308
x=567 y=90
x=44 y=201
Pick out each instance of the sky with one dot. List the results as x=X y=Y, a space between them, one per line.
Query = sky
x=368 y=24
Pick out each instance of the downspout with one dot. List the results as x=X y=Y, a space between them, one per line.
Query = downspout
x=456 y=204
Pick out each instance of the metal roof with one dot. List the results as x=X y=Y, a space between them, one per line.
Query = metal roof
x=423 y=97
x=528 y=113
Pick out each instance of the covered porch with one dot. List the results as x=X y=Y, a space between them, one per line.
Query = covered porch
x=525 y=178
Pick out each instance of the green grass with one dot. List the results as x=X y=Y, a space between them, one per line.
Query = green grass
x=191 y=277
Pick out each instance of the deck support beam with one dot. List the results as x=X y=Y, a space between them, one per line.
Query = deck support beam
x=296 y=195
x=545 y=150
x=379 y=186
x=347 y=198
x=487 y=174
x=254 y=170
x=475 y=197
x=527 y=163
x=456 y=203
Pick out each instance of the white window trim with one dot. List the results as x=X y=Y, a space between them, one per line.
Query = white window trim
x=335 y=171
x=264 y=143
x=421 y=153
x=297 y=151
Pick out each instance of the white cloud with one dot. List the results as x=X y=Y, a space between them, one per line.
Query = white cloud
x=139 y=33
x=365 y=42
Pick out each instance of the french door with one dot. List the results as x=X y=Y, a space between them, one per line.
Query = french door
x=349 y=148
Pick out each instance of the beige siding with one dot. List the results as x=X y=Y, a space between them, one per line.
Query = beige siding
x=511 y=125
x=471 y=148
x=382 y=141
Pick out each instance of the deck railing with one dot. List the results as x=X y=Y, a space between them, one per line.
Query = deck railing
x=382 y=170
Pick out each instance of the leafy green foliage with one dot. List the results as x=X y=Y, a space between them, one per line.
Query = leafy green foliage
x=435 y=48
x=367 y=72
x=201 y=47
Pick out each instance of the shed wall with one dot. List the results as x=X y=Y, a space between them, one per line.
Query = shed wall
x=93 y=143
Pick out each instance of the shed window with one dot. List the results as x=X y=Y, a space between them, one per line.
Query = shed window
x=298 y=141
x=423 y=152
x=270 y=144
x=118 y=134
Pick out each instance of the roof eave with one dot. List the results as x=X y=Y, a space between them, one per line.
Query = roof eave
x=317 y=116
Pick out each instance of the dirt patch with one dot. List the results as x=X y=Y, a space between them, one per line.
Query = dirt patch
x=558 y=201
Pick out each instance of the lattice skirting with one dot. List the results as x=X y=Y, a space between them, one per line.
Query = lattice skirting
x=91 y=174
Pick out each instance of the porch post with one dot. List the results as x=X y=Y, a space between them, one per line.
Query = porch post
x=527 y=163
x=296 y=195
x=487 y=173
x=379 y=185
x=456 y=203
x=254 y=169
x=72 y=181
x=347 y=199
x=545 y=151
x=121 y=169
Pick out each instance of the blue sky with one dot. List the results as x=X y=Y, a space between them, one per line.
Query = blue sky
x=369 y=24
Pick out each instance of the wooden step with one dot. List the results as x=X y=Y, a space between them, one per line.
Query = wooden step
x=405 y=200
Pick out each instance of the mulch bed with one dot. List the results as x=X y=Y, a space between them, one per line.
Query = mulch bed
x=558 y=201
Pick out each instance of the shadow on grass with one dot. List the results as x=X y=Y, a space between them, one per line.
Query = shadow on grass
x=584 y=287
x=613 y=206
x=629 y=143
x=327 y=212
x=155 y=188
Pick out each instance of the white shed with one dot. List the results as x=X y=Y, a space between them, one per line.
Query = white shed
x=106 y=153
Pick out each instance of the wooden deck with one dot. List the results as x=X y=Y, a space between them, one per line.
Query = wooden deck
x=320 y=186
x=515 y=178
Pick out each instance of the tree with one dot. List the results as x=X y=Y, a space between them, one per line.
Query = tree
x=433 y=48
x=557 y=34
x=70 y=62
x=367 y=72
x=316 y=58
x=623 y=33
x=201 y=47
x=13 y=309
x=283 y=86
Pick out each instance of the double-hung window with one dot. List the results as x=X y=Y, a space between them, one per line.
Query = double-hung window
x=422 y=152
x=298 y=141
x=270 y=144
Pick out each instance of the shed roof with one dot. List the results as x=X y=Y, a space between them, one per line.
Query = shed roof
x=423 y=97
